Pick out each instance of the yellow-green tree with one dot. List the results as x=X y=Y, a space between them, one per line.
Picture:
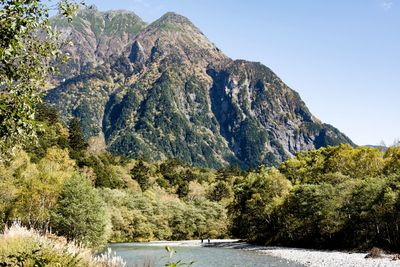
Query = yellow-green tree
x=38 y=186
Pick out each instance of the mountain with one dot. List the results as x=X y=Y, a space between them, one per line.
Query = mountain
x=93 y=37
x=164 y=90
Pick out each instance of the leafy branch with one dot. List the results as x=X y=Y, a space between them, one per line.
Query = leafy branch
x=172 y=252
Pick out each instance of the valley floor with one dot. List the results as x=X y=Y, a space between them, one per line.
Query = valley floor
x=307 y=257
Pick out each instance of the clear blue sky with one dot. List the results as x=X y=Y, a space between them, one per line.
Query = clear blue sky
x=342 y=56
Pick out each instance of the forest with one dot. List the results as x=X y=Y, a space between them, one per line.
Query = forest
x=53 y=181
x=334 y=197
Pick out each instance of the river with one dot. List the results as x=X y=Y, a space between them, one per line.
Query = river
x=154 y=254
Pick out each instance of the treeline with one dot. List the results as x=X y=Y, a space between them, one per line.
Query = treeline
x=334 y=197
x=93 y=198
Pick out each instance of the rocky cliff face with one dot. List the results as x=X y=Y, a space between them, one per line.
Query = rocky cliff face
x=166 y=91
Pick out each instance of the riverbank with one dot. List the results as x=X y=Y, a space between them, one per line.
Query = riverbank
x=306 y=257
x=20 y=246
x=314 y=258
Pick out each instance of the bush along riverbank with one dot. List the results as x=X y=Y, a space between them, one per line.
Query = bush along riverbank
x=20 y=246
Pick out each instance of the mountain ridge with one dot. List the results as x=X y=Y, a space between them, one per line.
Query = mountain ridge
x=167 y=91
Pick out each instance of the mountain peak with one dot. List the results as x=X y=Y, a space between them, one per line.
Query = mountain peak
x=92 y=7
x=96 y=36
x=174 y=34
x=176 y=18
x=92 y=10
x=172 y=21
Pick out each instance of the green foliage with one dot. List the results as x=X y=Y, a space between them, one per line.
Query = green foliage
x=171 y=253
x=80 y=214
x=251 y=140
x=31 y=190
x=256 y=199
x=28 y=47
x=220 y=191
x=104 y=170
x=158 y=215
x=342 y=197
x=76 y=141
x=22 y=247
x=141 y=173
x=373 y=213
x=52 y=133
x=25 y=251
x=311 y=167
x=392 y=160
x=183 y=190
x=310 y=217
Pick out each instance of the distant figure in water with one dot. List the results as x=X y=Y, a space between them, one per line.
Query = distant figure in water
x=209 y=241
x=202 y=240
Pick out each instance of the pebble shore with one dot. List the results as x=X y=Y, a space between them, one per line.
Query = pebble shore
x=306 y=257
x=315 y=258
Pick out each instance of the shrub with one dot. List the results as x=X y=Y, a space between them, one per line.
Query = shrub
x=22 y=247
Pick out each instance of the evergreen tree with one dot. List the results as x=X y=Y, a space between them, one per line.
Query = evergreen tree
x=183 y=190
x=140 y=173
x=220 y=190
x=76 y=140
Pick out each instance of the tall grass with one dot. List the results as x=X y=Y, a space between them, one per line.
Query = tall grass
x=20 y=246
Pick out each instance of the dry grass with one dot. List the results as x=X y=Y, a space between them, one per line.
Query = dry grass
x=20 y=246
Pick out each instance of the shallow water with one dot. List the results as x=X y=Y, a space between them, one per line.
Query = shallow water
x=139 y=254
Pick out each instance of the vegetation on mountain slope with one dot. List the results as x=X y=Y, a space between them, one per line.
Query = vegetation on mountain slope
x=91 y=38
x=172 y=93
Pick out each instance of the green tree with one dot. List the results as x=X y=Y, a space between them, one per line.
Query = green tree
x=140 y=173
x=105 y=175
x=51 y=134
x=183 y=189
x=311 y=167
x=256 y=200
x=219 y=191
x=28 y=48
x=80 y=214
x=373 y=214
x=76 y=140
x=310 y=218
x=392 y=161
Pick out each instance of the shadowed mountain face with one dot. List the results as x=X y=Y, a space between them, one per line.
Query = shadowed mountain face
x=164 y=90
